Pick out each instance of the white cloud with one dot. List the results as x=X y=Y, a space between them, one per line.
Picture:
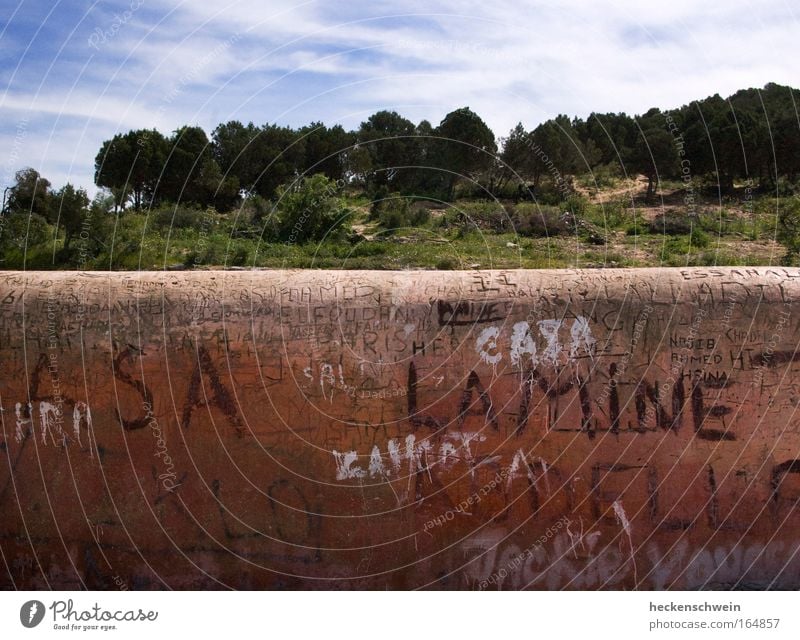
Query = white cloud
x=202 y=63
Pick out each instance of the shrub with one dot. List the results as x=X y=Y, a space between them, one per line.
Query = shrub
x=308 y=210
x=610 y=215
x=671 y=225
x=540 y=221
x=396 y=212
x=179 y=216
x=418 y=215
x=22 y=231
x=238 y=257
x=789 y=230
x=393 y=216
x=378 y=203
x=447 y=264
x=486 y=216
x=699 y=238
x=576 y=204
x=367 y=249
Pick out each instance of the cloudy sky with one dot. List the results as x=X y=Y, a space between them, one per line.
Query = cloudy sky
x=76 y=72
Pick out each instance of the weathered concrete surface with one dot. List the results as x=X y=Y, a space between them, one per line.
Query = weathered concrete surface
x=540 y=429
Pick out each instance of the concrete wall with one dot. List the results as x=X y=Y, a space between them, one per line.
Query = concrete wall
x=316 y=429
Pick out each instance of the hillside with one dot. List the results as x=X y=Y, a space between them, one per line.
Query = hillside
x=708 y=183
x=612 y=226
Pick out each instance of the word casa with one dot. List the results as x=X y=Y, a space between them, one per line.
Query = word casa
x=547 y=350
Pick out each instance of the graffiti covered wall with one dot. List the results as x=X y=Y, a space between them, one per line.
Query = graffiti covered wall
x=461 y=430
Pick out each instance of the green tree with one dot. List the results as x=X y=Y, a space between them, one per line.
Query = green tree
x=654 y=153
x=558 y=152
x=192 y=174
x=518 y=158
x=131 y=165
x=324 y=149
x=232 y=148
x=68 y=208
x=613 y=135
x=30 y=193
x=466 y=146
x=189 y=153
x=391 y=142
x=261 y=158
x=358 y=164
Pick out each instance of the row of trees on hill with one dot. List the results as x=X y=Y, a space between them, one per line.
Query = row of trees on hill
x=752 y=136
x=388 y=151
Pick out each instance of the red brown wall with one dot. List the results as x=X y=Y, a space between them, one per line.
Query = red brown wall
x=319 y=429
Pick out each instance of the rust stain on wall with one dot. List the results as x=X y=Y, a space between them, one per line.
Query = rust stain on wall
x=463 y=430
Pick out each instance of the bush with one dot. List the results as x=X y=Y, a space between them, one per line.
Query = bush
x=605 y=175
x=789 y=230
x=393 y=216
x=395 y=213
x=309 y=210
x=576 y=204
x=699 y=239
x=486 y=216
x=22 y=231
x=447 y=264
x=540 y=222
x=179 y=216
x=610 y=215
x=378 y=203
x=419 y=215
x=678 y=250
x=238 y=257
x=671 y=225
x=675 y=246
x=368 y=249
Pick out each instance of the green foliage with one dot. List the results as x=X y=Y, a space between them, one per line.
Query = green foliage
x=465 y=146
x=541 y=221
x=398 y=212
x=380 y=194
x=390 y=142
x=418 y=215
x=67 y=209
x=671 y=224
x=653 y=152
x=309 y=210
x=576 y=204
x=393 y=217
x=368 y=249
x=486 y=216
x=602 y=176
x=789 y=230
x=179 y=216
x=699 y=238
x=448 y=264
x=30 y=193
x=131 y=165
x=265 y=195
x=20 y=231
x=610 y=215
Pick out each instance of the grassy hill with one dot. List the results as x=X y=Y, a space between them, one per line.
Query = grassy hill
x=612 y=226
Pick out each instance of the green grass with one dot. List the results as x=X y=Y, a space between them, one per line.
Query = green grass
x=415 y=236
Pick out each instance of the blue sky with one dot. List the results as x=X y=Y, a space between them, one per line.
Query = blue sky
x=75 y=73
